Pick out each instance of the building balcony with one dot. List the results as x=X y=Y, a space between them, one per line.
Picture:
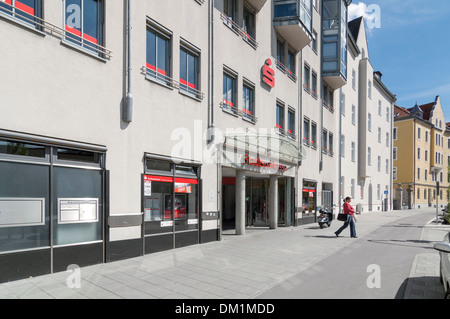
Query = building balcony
x=293 y=21
x=257 y=4
x=334 y=80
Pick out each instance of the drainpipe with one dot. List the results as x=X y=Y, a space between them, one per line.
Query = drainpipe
x=128 y=103
x=340 y=150
x=211 y=123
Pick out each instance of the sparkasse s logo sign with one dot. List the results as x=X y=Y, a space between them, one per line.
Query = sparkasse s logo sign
x=268 y=74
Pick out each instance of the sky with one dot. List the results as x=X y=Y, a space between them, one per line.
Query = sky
x=409 y=43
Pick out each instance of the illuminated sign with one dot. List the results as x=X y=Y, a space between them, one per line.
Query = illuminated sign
x=258 y=163
x=268 y=74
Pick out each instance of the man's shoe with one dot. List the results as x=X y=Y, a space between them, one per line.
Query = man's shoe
x=354 y=236
x=336 y=234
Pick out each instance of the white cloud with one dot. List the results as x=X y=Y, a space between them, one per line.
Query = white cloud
x=356 y=10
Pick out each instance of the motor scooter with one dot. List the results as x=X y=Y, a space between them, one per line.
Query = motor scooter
x=325 y=218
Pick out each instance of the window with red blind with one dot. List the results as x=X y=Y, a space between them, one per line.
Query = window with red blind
x=24 y=10
x=229 y=91
x=83 y=23
x=158 y=52
x=189 y=69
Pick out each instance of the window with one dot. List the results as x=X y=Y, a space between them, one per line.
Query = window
x=352 y=188
x=353 y=114
x=324 y=141
x=280 y=118
x=248 y=107
x=354 y=79
x=426 y=155
x=387 y=166
x=378 y=191
x=306 y=136
x=189 y=70
x=291 y=123
x=343 y=104
x=369 y=122
x=158 y=53
x=307 y=75
x=388 y=114
x=314 y=41
x=24 y=10
x=379 y=135
x=419 y=131
x=84 y=23
x=369 y=156
x=248 y=24
x=379 y=107
x=330 y=144
x=342 y=150
x=229 y=9
x=394 y=173
x=418 y=193
x=418 y=173
x=229 y=91
x=394 y=133
x=314 y=87
x=353 y=151
x=291 y=64
x=22 y=149
x=394 y=153
x=426 y=136
x=426 y=175
x=418 y=153
x=388 y=141
x=313 y=135
x=379 y=163
x=280 y=51
x=369 y=90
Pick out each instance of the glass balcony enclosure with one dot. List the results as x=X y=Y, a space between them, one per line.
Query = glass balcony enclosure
x=334 y=42
x=293 y=21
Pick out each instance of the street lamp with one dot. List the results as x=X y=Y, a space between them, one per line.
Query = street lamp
x=436 y=170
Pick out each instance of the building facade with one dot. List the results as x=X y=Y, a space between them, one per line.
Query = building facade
x=129 y=128
x=421 y=156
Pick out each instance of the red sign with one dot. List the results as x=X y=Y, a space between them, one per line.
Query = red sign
x=257 y=162
x=268 y=76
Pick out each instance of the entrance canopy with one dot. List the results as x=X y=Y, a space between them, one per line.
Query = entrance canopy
x=273 y=146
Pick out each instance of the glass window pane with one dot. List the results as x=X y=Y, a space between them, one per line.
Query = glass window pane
x=24 y=181
x=78 y=156
x=91 y=20
x=183 y=67
x=77 y=186
x=151 y=50
x=191 y=71
x=162 y=66
x=22 y=149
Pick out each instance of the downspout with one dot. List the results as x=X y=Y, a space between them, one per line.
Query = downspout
x=211 y=123
x=300 y=125
x=340 y=151
x=128 y=105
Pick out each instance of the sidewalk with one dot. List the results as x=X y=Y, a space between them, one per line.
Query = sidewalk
x=424 y=282
x=238 y=267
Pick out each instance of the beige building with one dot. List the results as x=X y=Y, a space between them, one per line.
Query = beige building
x=421 y=156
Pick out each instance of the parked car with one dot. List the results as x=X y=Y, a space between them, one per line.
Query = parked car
x=444 y=251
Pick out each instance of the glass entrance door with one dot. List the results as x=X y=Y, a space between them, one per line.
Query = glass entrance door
x=257 y=208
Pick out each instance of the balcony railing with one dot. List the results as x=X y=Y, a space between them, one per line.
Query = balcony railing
x=40 y=24
x=286 y=70
x=165 y=80
x=233 y=109
x=239 y=30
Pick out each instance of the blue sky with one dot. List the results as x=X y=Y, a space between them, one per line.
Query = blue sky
x=411 y=48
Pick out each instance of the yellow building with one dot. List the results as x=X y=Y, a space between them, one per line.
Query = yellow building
x=421 y=156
